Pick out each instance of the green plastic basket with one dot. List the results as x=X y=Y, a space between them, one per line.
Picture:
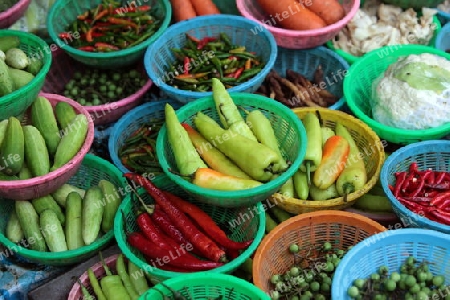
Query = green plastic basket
x=243 y=224
x=64 y=12
x=358 y=92
x=207 y=286
x=351 y=59
x=92 y=170
x=289 y=132
x=18 y=101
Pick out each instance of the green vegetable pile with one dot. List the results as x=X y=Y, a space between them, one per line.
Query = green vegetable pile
x=413 y=281
x=94 y=87
x=310 y=276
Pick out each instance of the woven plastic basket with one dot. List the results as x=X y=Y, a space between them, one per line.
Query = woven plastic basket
x=288 y=130
x=442 y=42
x=415 y=4
x=44 y=185
x=243 y=224
x=351 y=59
x=370 y=146
x=443 y=16
x=296 y=39
x=62 y=70
x=130 y=122
x=341 y=229
x=64 y=12
x=92 y=170
x=207 y=286
x=429 y=154
x=18 y=101
x=358 y=92
x=306 y=61
x=390 y=249
x=14 y=13
x=76 y=294
x=159 y=56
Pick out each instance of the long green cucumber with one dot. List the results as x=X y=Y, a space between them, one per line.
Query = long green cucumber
x=53 y=231
x=64 y=114
x=29 y=222
x=111 y=201
x=373 y=203
x=43 y=118
x=73 y=227
x=71 y=141
x=92 y=214
x=48 y=203
x=6 y=83
x=8 y=42
x=60 y=195
x=137 y=278
x=12 y=149
x=3 y=125
x=36 y=153
x=14 y=232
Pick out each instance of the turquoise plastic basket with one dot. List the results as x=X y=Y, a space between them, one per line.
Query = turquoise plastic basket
x=18 y=101
x=159 y=56
x=130 y=122
x=358 y=92
x=242 y=223
x=306 y=61
x=207 y=286
x=288 y=129
x=429 y=154
x=443 y=38
x=64 y=12
x=391 y=248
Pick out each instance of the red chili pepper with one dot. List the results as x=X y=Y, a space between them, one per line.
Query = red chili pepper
x=409 y=181
x=152 y=233
x=167 y=267
x=439 y=178
x=199 y=240
x=447 y=176
x=83 y=16
x=445 y=204
x=104 y=46
x=65 y=35
x=204 y=41
x=418 y=199
x=121 y=11
x=192 y=38
x=438 y=200
x=232 y=58
x=413 y=168
x=431 y=178
x=238 y=73
x=87 y=48
x=186 y=64
x=89 y=35
x=421 y=184
x=441 y=216
x=154 y=252
x=400 y=179
x=439 y=186
x=207 y=224
x=415 y=207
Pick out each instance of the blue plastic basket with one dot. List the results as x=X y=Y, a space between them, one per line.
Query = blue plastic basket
x=443 y=38
x=130 y=122
x=391 y=248
x=429 y=154
x=159 y=56
x=444 y=17
x=305 y=62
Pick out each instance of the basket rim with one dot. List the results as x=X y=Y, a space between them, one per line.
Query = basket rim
x=300 y=33
x=173 y=29
x=406 y=133
x=184 y=184
x=144 y=109
x=115 y=54
x=355 y=195
x=118 y=233
x=441 y=35
x=391 y=161
x=73 y=162
x=352 y=58
x=15 y=8
x=42 y=72
x=69 y=254
x=210 y=277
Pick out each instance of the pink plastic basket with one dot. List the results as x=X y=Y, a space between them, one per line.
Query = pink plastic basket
x=297 y=39
x=76 y=294
x=47 y=184
x=61 y=71
x=14 y=13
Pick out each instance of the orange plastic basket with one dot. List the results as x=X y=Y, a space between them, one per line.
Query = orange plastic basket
x=342 y=229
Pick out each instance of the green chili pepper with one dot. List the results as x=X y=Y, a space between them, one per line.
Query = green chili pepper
x=85 y=292
x=95 y=285
x=122 y=272
x=113 y=288
x=225 y=39
x=248 y=74
x=218 y=64
x=137 y=277
x=191 y=45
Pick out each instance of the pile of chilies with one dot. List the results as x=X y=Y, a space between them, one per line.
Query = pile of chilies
x=424 y=192
x=171 y=225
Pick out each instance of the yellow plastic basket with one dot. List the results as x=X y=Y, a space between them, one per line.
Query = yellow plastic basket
x=370 y=146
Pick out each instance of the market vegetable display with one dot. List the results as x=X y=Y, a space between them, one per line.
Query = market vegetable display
x=94 y=87
x=302 y=16
x=311 y=273
x=377 y=24
x=413 y=280
x=188 y=9
x=16 y=68
x=333 y=165
x=34 y=150
x=68 y=219
x=419 y=84
x=138 y=152
x=173 y=226
x=110 y=26
x=295 y=90
x=201 y=60
x=424 y=192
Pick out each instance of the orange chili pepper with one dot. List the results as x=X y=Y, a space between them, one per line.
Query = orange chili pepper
x=248 y=64
x=195 y=76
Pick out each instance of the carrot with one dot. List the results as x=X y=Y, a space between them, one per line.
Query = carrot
x=331 y=11
x=205 y=7
x=182 y=10
x=290 y=14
